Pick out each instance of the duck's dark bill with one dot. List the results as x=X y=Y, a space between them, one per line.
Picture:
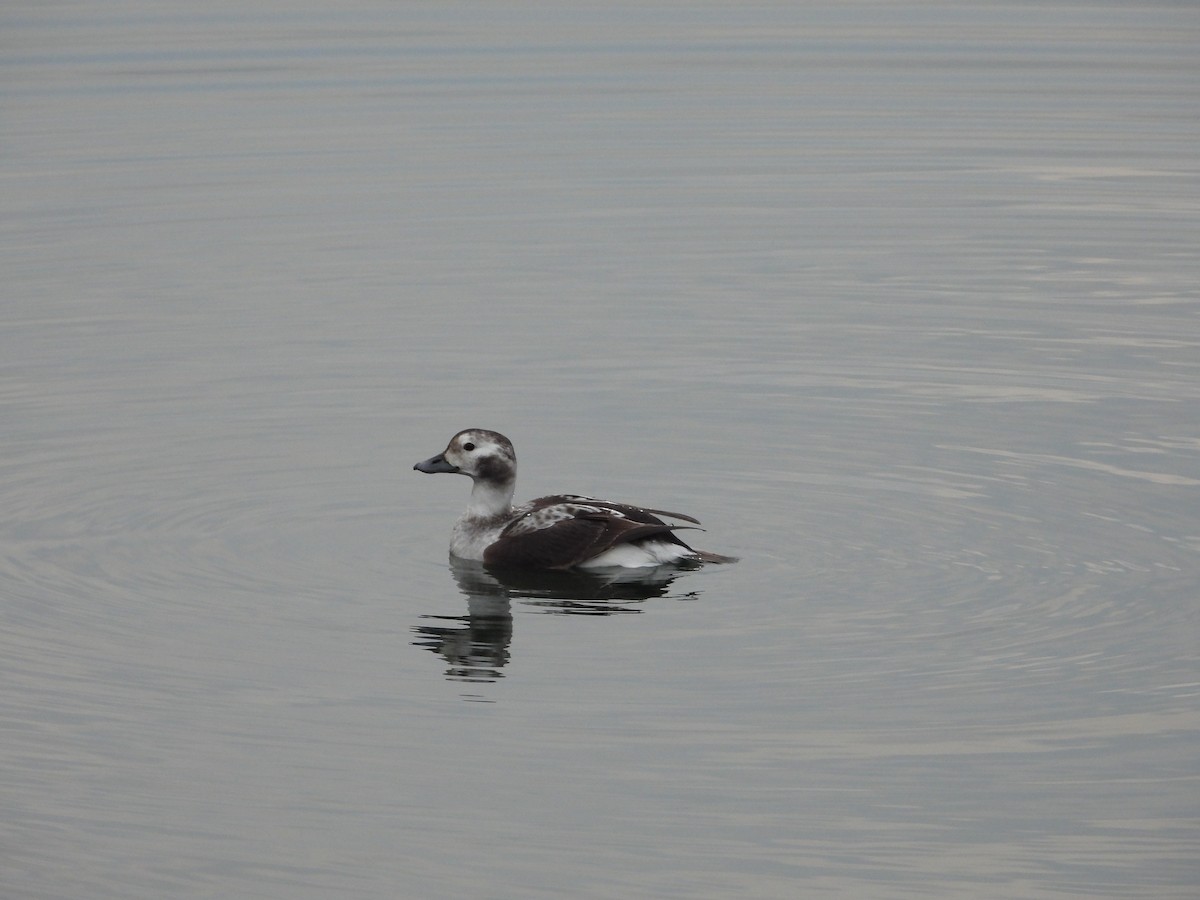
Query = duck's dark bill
x=435 y=464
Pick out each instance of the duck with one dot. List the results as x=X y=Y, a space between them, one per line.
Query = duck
x=558 y=532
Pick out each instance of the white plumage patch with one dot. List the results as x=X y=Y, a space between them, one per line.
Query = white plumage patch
x=639 y=556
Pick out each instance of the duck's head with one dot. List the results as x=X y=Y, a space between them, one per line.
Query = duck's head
x=476 y=452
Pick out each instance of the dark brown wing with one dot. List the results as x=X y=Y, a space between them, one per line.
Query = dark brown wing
x=564 y=531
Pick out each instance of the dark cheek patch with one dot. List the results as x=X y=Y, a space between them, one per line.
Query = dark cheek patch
x=493 y=468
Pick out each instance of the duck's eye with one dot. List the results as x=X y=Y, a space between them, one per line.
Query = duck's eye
x=468 y=447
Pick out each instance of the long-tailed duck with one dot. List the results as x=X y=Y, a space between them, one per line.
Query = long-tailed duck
x=559 y=532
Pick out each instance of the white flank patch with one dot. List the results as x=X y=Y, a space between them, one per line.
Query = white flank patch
x=638 y=556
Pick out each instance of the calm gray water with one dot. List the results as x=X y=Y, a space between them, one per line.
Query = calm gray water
x=900 y=299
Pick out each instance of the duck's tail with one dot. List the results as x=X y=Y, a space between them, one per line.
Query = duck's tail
x=709 y=557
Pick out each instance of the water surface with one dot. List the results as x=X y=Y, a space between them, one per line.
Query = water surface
x=900 y=300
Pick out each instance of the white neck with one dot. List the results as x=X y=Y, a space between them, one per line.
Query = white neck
x=489 y=499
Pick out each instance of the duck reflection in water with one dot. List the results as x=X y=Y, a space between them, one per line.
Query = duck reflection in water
x=476 y=646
